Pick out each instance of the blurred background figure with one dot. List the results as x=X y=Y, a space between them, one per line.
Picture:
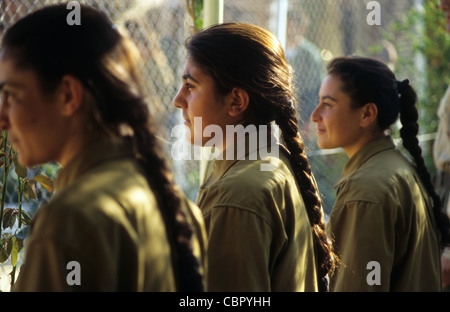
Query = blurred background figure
x=441 y=154
x=305 y=58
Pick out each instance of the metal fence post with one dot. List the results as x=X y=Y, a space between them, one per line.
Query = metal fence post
x=212 y=12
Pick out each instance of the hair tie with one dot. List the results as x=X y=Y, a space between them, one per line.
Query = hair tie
x=404 y=83
x=401 y=85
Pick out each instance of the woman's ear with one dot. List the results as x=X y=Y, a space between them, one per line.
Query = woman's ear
x=239 y=101
x=71 y=95
x=369 y=114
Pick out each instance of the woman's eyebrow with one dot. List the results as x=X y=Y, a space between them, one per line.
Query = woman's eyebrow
x=325 y=97
x=188 y=76
x=10 y=84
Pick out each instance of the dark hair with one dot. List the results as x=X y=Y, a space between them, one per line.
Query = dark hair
x=367 y=80
x=249 y=57
x=102 y=59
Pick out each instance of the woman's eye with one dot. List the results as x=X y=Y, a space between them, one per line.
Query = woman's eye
x=8 y=98
x=189 y=86
x=4 y=96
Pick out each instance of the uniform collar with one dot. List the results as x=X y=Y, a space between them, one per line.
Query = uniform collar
x=93 y=155
x=365 y=153
x=224 y=161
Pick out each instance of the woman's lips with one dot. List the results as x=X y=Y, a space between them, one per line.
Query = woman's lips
x=320 y=130
x=187 y=121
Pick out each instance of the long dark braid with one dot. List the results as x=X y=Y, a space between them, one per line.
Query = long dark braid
x=118 y=104
x=179 y=230
x=410 y=128
x=148 y=152
x=288 y=122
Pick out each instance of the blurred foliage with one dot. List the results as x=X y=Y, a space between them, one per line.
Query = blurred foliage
x=195 y=10
x=425 y=62
x=15 y=221
x=434 y=46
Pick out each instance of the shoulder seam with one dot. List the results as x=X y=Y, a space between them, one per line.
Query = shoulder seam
x=239 y=207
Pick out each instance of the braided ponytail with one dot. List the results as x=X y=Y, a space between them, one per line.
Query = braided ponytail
x=410 y=128
x=287 y=121
x=117 y=105
x=186 y=265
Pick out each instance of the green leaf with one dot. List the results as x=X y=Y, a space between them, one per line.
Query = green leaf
x=9 y=217
x=45 y=181
x=6 y=247
x=20 y=170
x=17 y=245
x=26 y=219
x=29 y=189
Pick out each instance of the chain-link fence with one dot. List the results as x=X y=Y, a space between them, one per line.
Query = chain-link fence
x=312 y=31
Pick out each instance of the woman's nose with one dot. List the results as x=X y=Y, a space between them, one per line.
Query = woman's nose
x=178 y=100
x=315 y=114
x=4 y=120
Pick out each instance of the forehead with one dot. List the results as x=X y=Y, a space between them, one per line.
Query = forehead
x=12 y=76
x=4 y=65
x=195 y=71
x=7 y=66
x=332 y=83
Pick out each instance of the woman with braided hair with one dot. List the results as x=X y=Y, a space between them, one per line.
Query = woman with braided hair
x=265 y=226
x=386 y=223
x=73 y=95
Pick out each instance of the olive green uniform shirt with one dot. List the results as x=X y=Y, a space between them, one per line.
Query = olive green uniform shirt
x=259 y=235
x=105 y=217
x=383 y=226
